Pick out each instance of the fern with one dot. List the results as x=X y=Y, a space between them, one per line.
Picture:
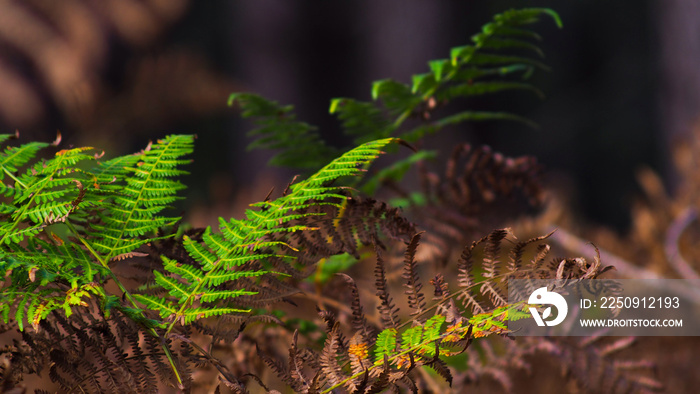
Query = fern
x=46 y=193
x=105 y=211
x=477 y=189
x=136 y=204
x=244 y=241
x=72 y=217
x=277 y=128
x=110 y=209
x=487 y=66
x=389 y=357
x=114 y=208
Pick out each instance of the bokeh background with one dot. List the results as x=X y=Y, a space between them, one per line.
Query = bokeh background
x=624 y=84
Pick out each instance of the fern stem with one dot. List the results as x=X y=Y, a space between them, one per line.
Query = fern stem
x=402 y=118
x=14 y=178
x=103 y=263
x=171 y=361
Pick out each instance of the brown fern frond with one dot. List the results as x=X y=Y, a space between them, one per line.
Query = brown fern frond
x=331 y=356
x=447 y=306
x=269 y=290
x=359 y=320
x=492 y=253
x=331 y=328
x=442 y=288
x=515 y=261
x=478 y=191
x=129 y=255
x=470 y=302
x=89 y=353
x=479 y=294
x=358 y=351
x=228 y=328
x=439 y=365
x=495 y=293
x=407 y=380
x=539 y=258
x=341 y=229
x=416 y=299
x=295 y=364
x=236 y=386
x=387 y=309
x=465 y=267
x=382 y=380
x=279 y=369
x=362 y=386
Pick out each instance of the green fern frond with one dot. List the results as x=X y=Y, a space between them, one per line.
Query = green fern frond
x=385 y=345
x=14 y=158
x=45 y=274
x=46 y=193
x=147 y=191
x=419 y=345
x=431 y=333
x=61 y=259
x=462 y=75
x=421 y=339
x=106 y=210
x=298 y=143
x=164 y=307
x=243 y=241
x=505 y=48
x=35 y=303
x=202 y=313
x=362 y=120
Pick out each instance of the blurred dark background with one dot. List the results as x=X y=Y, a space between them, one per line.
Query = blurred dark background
x=624 y=85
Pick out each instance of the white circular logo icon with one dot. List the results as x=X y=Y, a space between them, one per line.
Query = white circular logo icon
x=544 y=297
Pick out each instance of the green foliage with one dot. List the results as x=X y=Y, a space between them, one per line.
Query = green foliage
x=500 y=57
x=245 y=240
x=328 y=267
x=396 y=171
x=105 y=211
x=147 y=189
x=69 y=221
x=110 y=209
x=424 y=339
x=277 y=128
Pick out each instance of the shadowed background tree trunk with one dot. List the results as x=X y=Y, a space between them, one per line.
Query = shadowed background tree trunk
x=679 y=97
